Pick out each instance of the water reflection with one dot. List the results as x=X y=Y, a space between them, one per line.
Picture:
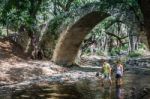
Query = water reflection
x=55 y=91
x=84 y=89
x=5 y=97
x=107 y=93
x=119 y=92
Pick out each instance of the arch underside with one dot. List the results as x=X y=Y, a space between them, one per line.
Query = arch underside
x=71 y=39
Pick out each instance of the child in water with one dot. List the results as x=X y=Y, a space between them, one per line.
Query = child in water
x=119 y=73
x=106 y=72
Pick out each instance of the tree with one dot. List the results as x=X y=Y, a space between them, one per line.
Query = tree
x=145 y=7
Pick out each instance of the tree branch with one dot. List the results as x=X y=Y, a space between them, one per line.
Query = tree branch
x=65 y=7
x=119 y=38
x=124 y=37
x=61 y=5
x=68 y=4
x=112 y=34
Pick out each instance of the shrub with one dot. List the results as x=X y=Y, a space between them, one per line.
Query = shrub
x=135 y=54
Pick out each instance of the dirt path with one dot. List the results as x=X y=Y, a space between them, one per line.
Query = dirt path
x=15 y=69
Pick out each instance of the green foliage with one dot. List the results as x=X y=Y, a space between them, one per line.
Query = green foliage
x=101 y=53
x=54 y=25
x=34 y=13
x=48 y=53
x=115 y=51
x=134 y=54
x=0 y=33
x=16 y=13
x=86 y=51
x=142 y=46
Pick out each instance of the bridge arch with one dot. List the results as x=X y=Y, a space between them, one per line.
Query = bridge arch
x=70 y=40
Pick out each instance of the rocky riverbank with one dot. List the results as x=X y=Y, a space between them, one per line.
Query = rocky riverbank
x=27 y=73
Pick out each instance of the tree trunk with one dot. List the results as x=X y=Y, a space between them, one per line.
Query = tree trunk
x=145 y=6
x=110 y=44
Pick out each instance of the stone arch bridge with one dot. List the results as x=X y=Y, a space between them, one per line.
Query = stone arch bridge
x=70 y=39
x=81 y=22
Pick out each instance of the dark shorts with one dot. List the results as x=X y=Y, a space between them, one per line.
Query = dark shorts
x=118 y=76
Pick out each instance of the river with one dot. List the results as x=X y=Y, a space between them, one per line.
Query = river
x=133 y=87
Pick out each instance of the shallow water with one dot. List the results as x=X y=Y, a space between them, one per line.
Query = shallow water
x=85 y=89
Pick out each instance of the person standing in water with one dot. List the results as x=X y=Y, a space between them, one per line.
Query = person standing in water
x=119 y=73
x=106 y=72
x=93 y=48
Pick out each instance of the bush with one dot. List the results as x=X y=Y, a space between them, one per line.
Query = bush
x=115 y=51
x=101 y=53
x=135 y=54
